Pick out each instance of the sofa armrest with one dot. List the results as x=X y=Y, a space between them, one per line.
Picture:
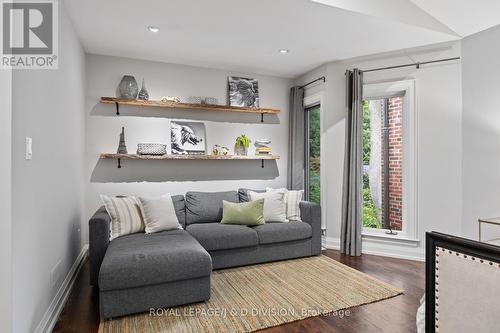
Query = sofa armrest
x=311 y=213
x=98 y=242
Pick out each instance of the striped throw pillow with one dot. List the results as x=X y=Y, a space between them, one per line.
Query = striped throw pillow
x=125 y=216
x=292 y=200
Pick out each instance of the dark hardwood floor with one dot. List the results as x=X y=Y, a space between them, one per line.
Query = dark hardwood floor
x=397 y=314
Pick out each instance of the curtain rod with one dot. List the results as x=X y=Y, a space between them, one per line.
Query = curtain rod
x=308 y=83
x=417 y=64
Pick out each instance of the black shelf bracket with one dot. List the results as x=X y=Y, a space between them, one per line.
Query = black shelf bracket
x=117 y=108
x=119 y=163
x=261 y=117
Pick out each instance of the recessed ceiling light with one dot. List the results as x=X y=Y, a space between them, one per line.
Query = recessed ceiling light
x=152 y=28
x=284 y=51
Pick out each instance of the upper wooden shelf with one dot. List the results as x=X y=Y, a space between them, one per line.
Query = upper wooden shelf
x=119 y=157
x=189 y=157
x=184 y=106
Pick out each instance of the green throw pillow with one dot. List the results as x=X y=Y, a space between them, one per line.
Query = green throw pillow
x=245 y=213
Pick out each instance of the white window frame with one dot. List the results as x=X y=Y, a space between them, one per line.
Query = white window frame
x=311 y=101
x=410 y=124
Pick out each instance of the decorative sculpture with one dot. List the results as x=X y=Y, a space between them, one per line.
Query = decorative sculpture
x=143 y=94
x=122 y=148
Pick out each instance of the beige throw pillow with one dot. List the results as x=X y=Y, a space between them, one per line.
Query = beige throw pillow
x=125 y=215
x=159 y=214
x=274 y=205
x=292 y=201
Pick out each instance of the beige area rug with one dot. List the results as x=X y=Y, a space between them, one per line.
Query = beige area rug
x=246 y=299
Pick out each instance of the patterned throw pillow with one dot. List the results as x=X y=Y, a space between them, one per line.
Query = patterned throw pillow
x=125 y=215
x=292 y=200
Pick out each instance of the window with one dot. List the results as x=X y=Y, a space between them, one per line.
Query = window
x=313 y=154
x=383 y=163
x=389 y=127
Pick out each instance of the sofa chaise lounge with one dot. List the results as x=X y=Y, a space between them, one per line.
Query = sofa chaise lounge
x=137 y=272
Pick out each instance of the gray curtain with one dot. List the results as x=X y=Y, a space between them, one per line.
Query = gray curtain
x=296 y=140
x=350 y=236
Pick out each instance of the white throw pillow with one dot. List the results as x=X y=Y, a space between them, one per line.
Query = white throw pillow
x=292 y=200
x=125 y=215
x=274 y=205
x=158 y=213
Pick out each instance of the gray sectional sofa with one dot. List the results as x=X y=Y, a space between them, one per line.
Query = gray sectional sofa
x=141 y=271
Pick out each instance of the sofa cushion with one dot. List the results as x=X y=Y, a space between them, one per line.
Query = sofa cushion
x=216 y=236
x=158 y=214
x=180 y=208
x=243 y=213
x=206 y=207
x=243 y=194
x=277 y=232
x=125 y=215
x=274 y=205
x=147 y=259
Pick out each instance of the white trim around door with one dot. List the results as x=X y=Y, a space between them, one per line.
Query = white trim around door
x=311 y=101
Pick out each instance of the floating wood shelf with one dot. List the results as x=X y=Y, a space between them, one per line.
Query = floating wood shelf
x=185 y=106
x=119 y=157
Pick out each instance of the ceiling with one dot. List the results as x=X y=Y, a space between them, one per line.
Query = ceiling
x=245 y=36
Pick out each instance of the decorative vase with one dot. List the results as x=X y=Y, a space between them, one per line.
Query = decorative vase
x=241 y=151
x=143 y=94
x=128 y=88
x=122 y=148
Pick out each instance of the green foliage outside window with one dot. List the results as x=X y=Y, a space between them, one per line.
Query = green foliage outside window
x=366 y=133
x=370 y=212
x=314 y=155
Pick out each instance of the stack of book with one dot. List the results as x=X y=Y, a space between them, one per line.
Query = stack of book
x=262 y=147
x=263 y=150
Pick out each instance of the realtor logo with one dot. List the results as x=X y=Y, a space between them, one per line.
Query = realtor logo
x=29 y=34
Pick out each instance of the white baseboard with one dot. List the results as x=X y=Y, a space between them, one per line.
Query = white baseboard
x=381 y=248
x=50 y=317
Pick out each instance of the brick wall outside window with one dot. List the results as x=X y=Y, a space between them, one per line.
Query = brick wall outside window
x=395 y=117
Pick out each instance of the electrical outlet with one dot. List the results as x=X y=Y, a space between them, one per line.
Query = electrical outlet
x=55 y=274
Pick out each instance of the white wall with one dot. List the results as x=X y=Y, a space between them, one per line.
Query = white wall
x=438 y=89
x=6 y=201
x=481 y=131
x=153 y=125
x=47 y=190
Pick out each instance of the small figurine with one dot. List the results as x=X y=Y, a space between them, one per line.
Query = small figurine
x=166 y=99
x=220 y=150
x=122 y=148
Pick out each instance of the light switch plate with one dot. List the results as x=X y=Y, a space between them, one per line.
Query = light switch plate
x=29 y=148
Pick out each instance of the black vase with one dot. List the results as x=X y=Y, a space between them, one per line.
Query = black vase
x=128 y=87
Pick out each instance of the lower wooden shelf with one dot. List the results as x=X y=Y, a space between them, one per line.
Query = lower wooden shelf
x=119 y=157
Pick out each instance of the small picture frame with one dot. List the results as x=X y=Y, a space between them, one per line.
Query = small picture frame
x=187 y=138
x=243 y=92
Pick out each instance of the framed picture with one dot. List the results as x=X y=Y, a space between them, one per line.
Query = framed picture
x=187 y=138
x=243 y=92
